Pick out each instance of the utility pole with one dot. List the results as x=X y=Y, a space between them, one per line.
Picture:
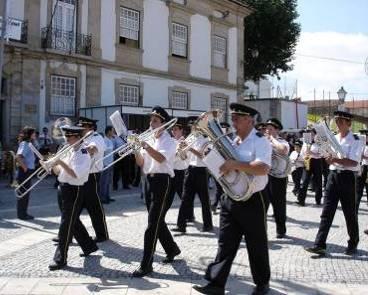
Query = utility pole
x=2 y=42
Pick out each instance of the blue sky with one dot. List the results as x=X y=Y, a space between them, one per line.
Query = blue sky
x=331 y=29
x=342 y=16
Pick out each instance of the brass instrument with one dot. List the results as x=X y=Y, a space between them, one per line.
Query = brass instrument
x=238 y=185
x=186 y=144
x=134 y=143
x=280 y=165
x=307 y=139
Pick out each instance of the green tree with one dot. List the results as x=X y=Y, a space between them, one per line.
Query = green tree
x=271 y=35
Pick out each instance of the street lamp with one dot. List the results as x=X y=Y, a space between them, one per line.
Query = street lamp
x=341 y=94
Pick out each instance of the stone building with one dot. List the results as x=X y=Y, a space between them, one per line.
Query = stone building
x=65 y=57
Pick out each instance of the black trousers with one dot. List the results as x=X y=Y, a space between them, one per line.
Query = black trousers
x=219 y=193
x=361 y=184
x=94 y=207
x=315 y=170
x=22 y=203
x=156 y=194
x=240 y=219
x=340 y=187
x=176 y=187
x=276 y=195
x=195 y=182
x=72 y=201
x=297 y=177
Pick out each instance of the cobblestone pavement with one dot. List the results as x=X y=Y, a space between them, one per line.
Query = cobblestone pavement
x=26 y=250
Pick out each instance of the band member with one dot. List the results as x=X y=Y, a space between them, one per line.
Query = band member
x=313 y=168
x=341 y=187
x=297 y=161
x=277 y=183
x=106 y=175
x=261 y=127
x=195 y=182
x=95 y=146
x=362 y=180
x=237 y=218
x=26 y=161
x=157 y=160
x=72 y=171
x=180 y=166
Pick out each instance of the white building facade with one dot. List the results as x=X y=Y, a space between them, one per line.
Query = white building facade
x=90 y=57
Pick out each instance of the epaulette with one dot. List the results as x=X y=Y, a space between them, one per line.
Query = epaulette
x=356 y=137
x=259 y=134
x=84 y=151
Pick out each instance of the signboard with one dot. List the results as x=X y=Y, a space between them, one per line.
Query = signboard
x=13 y=28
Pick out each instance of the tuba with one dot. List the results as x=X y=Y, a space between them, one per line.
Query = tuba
x=239 y=186
x=280 y=165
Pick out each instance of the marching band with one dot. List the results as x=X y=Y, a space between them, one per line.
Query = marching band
x=174 y=164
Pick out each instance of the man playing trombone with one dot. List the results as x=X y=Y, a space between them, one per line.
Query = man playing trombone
x=246 y=219
x=156 y=160
x=73 y=171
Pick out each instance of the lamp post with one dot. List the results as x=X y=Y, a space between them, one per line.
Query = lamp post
x=341 y=94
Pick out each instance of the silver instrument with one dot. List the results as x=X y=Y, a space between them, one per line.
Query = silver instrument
x=239 y=186
x=134 y=143
x=280 y=165
x=186 y=144
x=326 y=141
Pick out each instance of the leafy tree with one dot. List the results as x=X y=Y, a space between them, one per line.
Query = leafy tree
x=271 y=35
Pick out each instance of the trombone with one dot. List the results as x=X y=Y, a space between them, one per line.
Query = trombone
x=46 y=166
x=134 y=143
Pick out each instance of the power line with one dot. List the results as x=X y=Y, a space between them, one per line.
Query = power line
x=330 y=58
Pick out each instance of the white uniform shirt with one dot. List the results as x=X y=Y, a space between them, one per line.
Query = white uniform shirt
x=352 y=149
x=198 y=145
x=179 y=163
x=165 y=145
x=97 y=141
x=296 y=159
x=79 y=161
x=109 y=148
x=255 y=148
x=314 y=149
x=365 y=154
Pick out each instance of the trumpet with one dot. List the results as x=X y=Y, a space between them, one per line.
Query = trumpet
x=46 y=166
x=134 y=143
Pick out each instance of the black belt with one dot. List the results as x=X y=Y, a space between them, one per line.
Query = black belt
x=157 y=174
x=342 y=171
x=67 y=184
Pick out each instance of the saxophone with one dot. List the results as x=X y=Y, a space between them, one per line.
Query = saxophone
x=307 y=138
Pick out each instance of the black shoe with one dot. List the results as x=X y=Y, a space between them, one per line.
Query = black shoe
x=280 y=236
x=207 y=229
x=261 y=289
x=170 y=257
x=111 y=200
x=209 y=289
x=179 y=230
x=100 y=240
x=56 y=266
x=56 y=240
x=316 y=250
x=366 y=231
x=350 y=250
x=26 y=217
x=191 y=220
x=87 y=253
x=302 y=204
x=105 y=201
x=142 y=271
x=318 y=202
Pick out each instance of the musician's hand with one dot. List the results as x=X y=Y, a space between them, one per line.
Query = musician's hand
x=182 y=145
x=91 y=150
x=228 y=166
x=25 y=169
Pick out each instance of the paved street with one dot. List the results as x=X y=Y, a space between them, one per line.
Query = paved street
x=26 y=250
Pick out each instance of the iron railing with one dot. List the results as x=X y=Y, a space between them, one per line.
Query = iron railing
x=67 y=41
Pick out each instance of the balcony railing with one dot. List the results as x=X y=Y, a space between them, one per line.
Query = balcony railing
x=67 y=41
x=16 y=29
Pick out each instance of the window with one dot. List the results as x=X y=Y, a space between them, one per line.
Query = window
x=221 y=104
x=129 y=27
x=129 y=95
x=179 y=100
x=64 y=25
x=62 y=95
x=182 y=2
x=219 y=52
x=179 y=40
